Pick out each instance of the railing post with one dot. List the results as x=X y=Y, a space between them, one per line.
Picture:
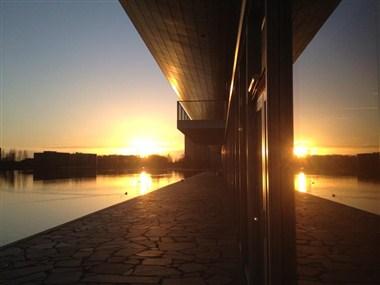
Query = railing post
x=177 y=110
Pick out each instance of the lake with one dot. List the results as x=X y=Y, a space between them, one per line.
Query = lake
x=348 y=190
x=29 y=206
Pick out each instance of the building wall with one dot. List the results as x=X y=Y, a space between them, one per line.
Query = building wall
x=202 y=156
x=257 y=152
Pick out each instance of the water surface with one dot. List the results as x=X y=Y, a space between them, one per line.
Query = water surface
x=348 y=190
x=28 y=206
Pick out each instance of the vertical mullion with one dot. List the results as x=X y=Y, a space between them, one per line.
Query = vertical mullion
x=280 y=142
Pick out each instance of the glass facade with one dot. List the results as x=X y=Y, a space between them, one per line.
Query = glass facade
x=336 y=107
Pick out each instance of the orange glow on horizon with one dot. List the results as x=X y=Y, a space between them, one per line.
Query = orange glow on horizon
x=144 y=136
x=303 y=149
x=143 y=146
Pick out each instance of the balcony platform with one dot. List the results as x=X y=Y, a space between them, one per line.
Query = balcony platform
x=206 y=126
x=207 y=132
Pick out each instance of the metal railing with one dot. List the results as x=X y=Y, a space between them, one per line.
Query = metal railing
x=181 y=113
x=201 y=110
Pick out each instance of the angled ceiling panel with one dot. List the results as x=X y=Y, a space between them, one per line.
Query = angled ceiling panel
x=192 y=42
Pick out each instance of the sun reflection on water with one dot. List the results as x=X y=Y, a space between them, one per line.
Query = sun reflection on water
x=145 y=182
x=300 y=182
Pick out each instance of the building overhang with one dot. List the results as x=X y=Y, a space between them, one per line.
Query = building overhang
x=194 y=41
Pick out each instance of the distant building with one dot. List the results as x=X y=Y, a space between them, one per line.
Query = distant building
x=59 y=160
x=58 y=165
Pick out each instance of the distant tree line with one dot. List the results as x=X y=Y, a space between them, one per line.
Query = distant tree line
x=13 y=155
x=361 y=165
x=14 y=159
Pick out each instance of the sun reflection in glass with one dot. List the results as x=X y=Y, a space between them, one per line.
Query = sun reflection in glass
x=300 y=182
x=145 y=182
x=303 y=149
x=300 y=151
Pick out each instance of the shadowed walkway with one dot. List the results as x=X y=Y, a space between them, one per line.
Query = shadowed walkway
x=181 y=234
x=336 y=244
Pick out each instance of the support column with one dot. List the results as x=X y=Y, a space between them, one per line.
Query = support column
x=279 y=80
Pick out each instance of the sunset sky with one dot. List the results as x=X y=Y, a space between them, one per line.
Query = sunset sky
x=76 y=76
x=336 y=81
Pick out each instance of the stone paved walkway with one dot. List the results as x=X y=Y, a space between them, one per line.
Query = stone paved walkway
x=182 y=234
x=336 y=244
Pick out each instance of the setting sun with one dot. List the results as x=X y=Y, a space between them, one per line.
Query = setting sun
x=304 y=148
x=145 y=146
x=300 y=151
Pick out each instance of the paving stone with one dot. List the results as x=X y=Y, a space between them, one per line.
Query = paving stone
x=11 y=251
x=155 y=270
x=63 y=277
x=69 y=263
x=116 y=259
x=111 y=268
x=107 y=278
x=132 y=261
x=15 y=273
x=178 y=256
x=150 y=253
x=184 y=281
x=175 y=245
x=135 y=245
x=46 y=245
x=192 y=267
x=127 y=251
x=34 y=278
x=157 y=261
x=35 y=253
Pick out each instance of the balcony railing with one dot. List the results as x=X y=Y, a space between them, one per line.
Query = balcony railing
x=181 y=113
x=205 y=110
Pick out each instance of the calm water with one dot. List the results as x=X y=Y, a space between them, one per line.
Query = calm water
x=348 y=190
x=28 y=206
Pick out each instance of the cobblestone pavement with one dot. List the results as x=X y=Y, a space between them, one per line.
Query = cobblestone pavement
x=182 y=234
x=336 y=244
